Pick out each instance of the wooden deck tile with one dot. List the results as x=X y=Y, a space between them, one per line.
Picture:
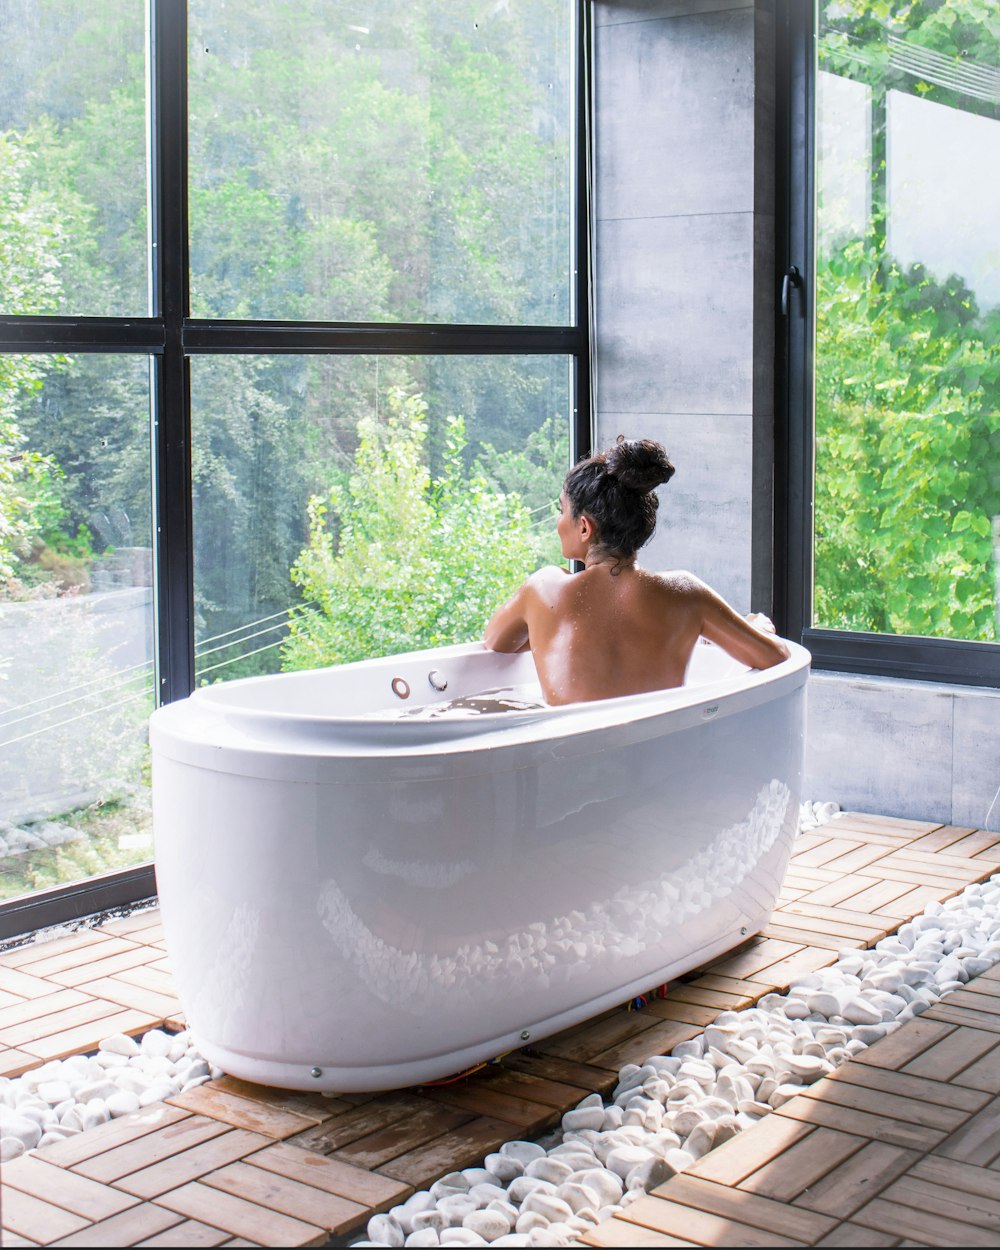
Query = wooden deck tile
x=50 y=1183
x=881 y=1128
x=314 y=1107
x=906 y=1085
x=832 y=942
x=379 y=1113
x=586 y=1078
x=875 y=895
x=241 y=1218
x=941 y=839
x=965 y=1178
x=130 y=924
x=14 y=1062
x=242 y=1112
x=191 y=1164
x=779 y=976
x=901 y=1047
x=41 y=1222
x=670 y=1008
x=193 y=1233
x=474 y=1099
x=586 y=1042
x=289 y=1197
x=802 y=1164
x=914 y=900
x=731 y=985
x=839 y=891
x=74 y=1150
x=658 y=1039
x=982 y=1210
x=704 y=1227
x=857 y=1180
x=87 y=971
x=33 y=952
x=80 y=954
x=901 y=825
x=151 y=1148
x=983 y=1074
x=122 y=994
x=619 y=1232
x=859 y=858
x=406 y=1135
x=151 y=977
x=883 y=1103
x=376 y=1192
x=732 y=1162
x=924 y=1226
x=749 y=1208
x=831 y=848
x=22 y=1009
x=537 y=1089
x=851 y=1234
x=857 y=922
x=426 y=1164
x=718 y=1000
x=760 y=955
x=964 y=1015
x=955 y=1051
x=129 y=1228
x=86 y=1012
x=978 y=1140
x=86 y=1036
x=23 y=984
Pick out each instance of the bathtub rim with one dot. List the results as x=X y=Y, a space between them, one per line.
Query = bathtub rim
x=211 y=733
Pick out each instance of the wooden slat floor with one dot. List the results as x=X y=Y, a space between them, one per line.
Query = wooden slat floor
x=899 y=1146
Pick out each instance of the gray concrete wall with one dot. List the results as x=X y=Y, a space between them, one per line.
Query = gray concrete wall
x=683 y=231
x=684 y=300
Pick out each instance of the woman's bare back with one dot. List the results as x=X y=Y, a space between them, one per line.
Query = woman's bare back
x=598 y=634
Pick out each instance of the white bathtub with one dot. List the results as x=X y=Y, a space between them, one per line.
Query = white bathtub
x=358 y=904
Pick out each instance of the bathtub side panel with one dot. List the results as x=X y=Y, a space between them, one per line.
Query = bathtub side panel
x=365 y=927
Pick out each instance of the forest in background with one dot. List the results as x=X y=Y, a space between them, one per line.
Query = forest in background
x=415 y=168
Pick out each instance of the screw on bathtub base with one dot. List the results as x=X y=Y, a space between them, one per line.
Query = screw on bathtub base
x=316 y=1072
x=525 y=1035
x=743 y=931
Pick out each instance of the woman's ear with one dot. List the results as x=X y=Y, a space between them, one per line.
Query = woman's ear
x=587 y=527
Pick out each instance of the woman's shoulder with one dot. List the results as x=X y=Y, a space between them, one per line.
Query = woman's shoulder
x=677 y=582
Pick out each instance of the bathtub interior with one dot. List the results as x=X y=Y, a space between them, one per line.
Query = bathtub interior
x=404 y=682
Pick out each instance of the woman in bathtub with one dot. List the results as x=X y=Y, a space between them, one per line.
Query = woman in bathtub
x=613 y=628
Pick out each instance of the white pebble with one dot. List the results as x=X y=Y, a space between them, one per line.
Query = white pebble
x=119 y=1044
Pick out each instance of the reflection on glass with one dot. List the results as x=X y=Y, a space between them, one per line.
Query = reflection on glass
x=907 y=479
x=347 y=507
x=73 y=158
x=408 y=161
x=76 y=675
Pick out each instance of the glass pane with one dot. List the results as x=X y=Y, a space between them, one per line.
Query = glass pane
x=346 y=507
x=73 y=158
x=76 y=674
x=406 y=161
x=907 y=477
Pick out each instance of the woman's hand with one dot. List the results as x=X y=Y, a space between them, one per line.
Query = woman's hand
x=759 y=621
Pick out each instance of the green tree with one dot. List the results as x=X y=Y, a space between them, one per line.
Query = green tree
x=398 y=560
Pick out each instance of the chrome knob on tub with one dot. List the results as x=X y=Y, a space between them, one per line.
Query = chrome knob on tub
x=437 y=679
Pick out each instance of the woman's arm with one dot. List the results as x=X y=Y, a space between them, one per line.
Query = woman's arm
x=507 y=628
x=724 y=626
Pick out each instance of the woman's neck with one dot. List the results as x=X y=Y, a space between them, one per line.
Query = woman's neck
x=598 y=557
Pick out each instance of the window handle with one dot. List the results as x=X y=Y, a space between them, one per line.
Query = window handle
x=792 y=278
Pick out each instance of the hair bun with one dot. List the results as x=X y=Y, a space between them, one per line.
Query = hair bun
x=640 y=464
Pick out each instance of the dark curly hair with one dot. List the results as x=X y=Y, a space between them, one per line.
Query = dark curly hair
x=616 y=488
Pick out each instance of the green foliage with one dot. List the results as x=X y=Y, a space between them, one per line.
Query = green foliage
x=907 y=451
x=397 y=560
x=535 y=472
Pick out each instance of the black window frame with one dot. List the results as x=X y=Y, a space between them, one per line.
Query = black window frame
x=878 y=655
x=171 y=337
